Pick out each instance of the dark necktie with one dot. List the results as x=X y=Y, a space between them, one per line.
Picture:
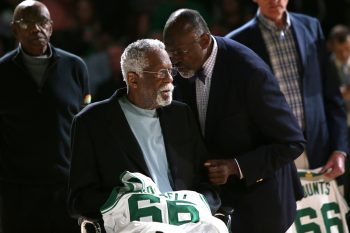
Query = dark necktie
x=199 y=75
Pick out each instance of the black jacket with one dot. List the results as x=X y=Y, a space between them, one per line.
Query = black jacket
x=104 y=147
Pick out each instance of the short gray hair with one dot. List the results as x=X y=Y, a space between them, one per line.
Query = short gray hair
x=134 y=57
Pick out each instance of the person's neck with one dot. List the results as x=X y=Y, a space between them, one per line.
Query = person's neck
x=280 y=22
x=133 y=99
x=45 y=52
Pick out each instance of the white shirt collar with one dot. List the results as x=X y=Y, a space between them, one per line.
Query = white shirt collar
x=208 y=65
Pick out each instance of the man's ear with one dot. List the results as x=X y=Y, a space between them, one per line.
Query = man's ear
x=204 y=40
x=132 y=79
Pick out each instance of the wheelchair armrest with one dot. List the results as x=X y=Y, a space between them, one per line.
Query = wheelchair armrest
x=88 y=225
x=224 y=213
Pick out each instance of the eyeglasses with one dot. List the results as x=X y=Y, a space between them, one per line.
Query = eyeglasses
x=181 y=52
x=27 y=24
x=163 y=73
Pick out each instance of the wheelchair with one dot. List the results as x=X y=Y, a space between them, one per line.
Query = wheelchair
x=88 y=225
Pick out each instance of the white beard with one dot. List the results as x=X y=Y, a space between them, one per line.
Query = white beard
x=188 y=74
x=160 y=100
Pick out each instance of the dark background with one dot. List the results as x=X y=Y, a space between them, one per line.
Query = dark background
x=89 y=28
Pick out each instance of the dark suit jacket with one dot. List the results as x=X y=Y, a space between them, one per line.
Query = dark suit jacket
x=249 y=119
x=104 y=146
x=325 y=117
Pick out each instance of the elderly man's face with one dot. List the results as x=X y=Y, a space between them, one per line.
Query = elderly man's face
x=155 y=90
x=186 y=49
x=32 y=27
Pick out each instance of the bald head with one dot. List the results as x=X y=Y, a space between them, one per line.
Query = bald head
x=30 y=7
x=188 y=41
x=185 y=21
x=32 y=27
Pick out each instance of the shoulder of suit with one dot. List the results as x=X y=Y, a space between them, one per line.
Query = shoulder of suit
x=302 y=17
x=67 y=55
x=250 y=25
x=96 y=108
x=236 y=51
x=8 y=56
x=175 y=105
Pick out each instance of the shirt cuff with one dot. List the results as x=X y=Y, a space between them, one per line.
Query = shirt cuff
x=341 y=152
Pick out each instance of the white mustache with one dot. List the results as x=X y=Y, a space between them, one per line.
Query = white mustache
x=169 y=87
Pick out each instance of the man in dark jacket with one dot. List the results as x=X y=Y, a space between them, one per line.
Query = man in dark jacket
x=138 y=129
x=248 y=128
x=41 y=89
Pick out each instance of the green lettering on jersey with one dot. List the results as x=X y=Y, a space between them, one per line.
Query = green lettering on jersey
x=310 y=227
x=329 y=222
x=137 y=213
x=184 y=208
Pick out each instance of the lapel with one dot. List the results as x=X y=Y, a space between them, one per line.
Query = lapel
x=255 y=37
x=118 y=126
x=169 y=130
x=192 y=98
x=219 y=85
x=300 y=36
x=186 y=92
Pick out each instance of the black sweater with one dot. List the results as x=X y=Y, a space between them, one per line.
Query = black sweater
x=35 y=122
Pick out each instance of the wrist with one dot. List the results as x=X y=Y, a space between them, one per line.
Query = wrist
x=341 y=152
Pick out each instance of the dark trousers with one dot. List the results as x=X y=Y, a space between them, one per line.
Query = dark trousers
x=35 y=208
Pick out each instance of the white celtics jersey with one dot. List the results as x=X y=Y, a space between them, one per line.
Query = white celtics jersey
x=140 y=207
x=323 y=208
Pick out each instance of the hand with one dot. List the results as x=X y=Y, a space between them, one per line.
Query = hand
x=219 y=170
x=336 y=164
